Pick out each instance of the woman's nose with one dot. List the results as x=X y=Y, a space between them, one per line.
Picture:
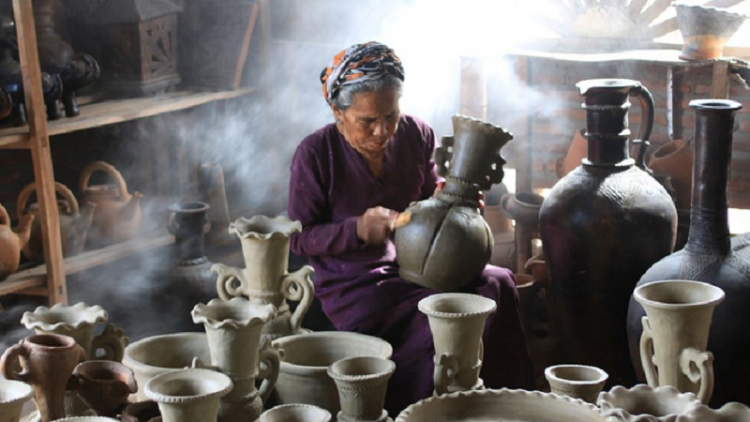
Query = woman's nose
x=380 y=129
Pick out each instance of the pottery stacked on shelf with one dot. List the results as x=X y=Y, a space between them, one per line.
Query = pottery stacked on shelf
x=362 y=383
x=12 y=242
x=13 y=395
x=645 y=404
x=189 y=395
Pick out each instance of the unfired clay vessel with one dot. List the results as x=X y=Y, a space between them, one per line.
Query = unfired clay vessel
x=645 y=404
x=104 y=385
x=13 y=395
x=577 y=381
x=11 y=242
x=362 y=382
x=265 y=247
x=303 y=377
x=189 y=395
x=675 y=334
x=730 y=412
x=87 y=419
x=457 y=323
x=296 y=413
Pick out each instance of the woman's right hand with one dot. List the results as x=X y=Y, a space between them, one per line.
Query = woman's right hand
x=374 y=226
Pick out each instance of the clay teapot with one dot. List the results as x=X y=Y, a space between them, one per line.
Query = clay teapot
x=118 y=215
x=74 y=222
x=11 y=242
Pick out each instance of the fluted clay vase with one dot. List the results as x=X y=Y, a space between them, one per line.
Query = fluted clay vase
x=13 y=395
x=362 y=384
x=142 y=411
x=11 y=242
x=189 y=395
x=265 y=247
x=645 y=404
x=78 y=321
x=524 y=209
x=296 y=413
x=233 y=328
x=104 y=385
x=457 y=323
x=602 y=226
x=708 y=256
x=705 y=30
x=577 y=381
x=446 y=243
x=730 y=412
x=576 y=153
x=48 y=360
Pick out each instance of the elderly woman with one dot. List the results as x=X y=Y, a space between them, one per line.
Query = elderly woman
x=349 y=181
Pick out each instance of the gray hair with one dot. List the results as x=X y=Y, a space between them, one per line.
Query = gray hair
x=346 y=94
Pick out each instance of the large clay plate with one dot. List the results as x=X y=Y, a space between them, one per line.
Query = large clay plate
x=501 y=406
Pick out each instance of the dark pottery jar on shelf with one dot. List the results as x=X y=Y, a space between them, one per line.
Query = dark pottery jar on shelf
x=602 y=226
x=708 y=257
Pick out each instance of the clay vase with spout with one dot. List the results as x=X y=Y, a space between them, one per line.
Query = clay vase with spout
x=362 y=382
x=118 y=214
x=74 y=222
x=189 y=395
x=234 y=328
x=457 y=323
x=104 y=385
x=602 y=226
x=265 y=247
x=12 y=241
x=675 y=334
x=447 y=243
x=47 y=360
x=13 y=395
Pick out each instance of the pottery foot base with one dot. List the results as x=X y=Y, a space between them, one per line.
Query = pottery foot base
x=341 y=417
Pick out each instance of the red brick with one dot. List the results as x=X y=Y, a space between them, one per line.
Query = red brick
x=702 y=90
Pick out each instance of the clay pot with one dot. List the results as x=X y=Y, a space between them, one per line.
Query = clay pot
x=362 y=384
x=303 y=376
x=78 y=321
x=156 y=355
x=104 y=385
x=645 y=404
x=524 y=209
x=265 y=247
x=87 y=419
x=501 y=405
x=457 y=323
x=504 y=251
x=118 y=213
x=731 y=412
x=296 y=413
x=189 y=395
x=705 y=30
x=74 y=222
x=48 y=361
x=143 y=411
x=577 y=381
x=12 y=241
x=576 y=153
x=13 y=395
x=676 y=160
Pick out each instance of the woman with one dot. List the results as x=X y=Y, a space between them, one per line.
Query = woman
x=349 y=181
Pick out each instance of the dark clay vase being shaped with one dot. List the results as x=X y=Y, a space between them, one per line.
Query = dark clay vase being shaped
x=707 y=257
x=447 y=243
x=602 y=226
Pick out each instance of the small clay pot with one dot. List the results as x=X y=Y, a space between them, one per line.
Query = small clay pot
x=189 y=395
x=105 y=385
x=296 y=413
x=577 y=381
x=362 y=382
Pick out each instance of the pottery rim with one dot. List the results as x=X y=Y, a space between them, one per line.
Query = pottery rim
x=324 y=415
x=264 y=228
x=138 y=348
x=683 y=299
x=480 y=124
x=220 y=385
x=597 y=375
x=125 y=375
x=76 y=316
x=613 y=83
x=234 y=313
x=730 y=412
x=14 y=392
x=349 y=369
x=614 y=401
x=191 y=207
x=718 y=10
x=456 y=305
x=86 y=419
x=50 y=341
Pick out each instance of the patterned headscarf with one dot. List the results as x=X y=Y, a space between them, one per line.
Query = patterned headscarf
x=359 y=63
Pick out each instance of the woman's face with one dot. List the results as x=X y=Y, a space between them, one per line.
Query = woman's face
x=370 y=121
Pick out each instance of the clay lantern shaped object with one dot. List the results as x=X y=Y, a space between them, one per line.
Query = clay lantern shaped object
x=447 y=243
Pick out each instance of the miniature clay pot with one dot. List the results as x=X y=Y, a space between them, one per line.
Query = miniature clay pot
x=11 y=242
x=189 y=395
x=362 y=382
x=296 y=413
x=577 y=381
x=645 y=404
x=13 y=395
x=676 y=160
x=705 y=30
x=730 y=412
x=104 y=385
x=142 y=411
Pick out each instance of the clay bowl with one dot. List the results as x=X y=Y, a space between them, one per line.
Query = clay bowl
x=295 y=413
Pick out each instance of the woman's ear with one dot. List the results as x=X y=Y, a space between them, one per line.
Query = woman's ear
x=338 y=113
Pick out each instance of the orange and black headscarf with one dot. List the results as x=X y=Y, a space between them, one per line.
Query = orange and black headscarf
x=359 y=63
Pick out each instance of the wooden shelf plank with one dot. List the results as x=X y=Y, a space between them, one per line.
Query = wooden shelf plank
x=118 y=110
x=37 y=276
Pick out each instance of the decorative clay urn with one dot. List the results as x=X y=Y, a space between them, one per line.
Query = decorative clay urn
x=362 y=382
x=189 y=395
x=577 y=381
x=446 y=243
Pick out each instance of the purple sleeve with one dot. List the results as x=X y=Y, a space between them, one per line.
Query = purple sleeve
x=307 y=204
x=431 y=177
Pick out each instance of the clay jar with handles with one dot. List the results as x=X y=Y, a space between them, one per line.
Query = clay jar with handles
x=118 y=214
x=11 y=242
x=48 y=360
x=74 y=222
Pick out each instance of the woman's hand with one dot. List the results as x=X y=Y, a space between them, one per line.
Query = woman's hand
x=374 y=226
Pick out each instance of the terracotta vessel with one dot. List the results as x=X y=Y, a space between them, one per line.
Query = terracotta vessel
x=48 y=360
x=524 y=209
x=12 y=241
x=78 y=321
x=156 y=355
x=447 y=243
x=676 y=160
x=457 y=323
x=104 y=385
x=265 y=247
x=74 y=222
x=705 y=30
x=295 y=413
x=13 y=395
x=645 y=404
x=708 y=257
x=501 y=405
x=730 y=412
x=118 y=213
x=233 y=328
x=498 y=221
x=189 y=395
x=577 y=381
x=576 y=154
x=142 y=411
x=362 y=383
x=303 y=376
x=602 y=226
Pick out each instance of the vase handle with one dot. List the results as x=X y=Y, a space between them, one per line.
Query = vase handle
x=270 y=361
x=446 y=369
x=647 y=125
x=113 y=341
x=226 y=277
x=647 y=354
x=698 y=366
x=9 y=361
x=298 y=287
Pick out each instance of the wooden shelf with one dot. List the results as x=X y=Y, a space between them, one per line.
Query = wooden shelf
x=29 y=281
x=120 y=110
